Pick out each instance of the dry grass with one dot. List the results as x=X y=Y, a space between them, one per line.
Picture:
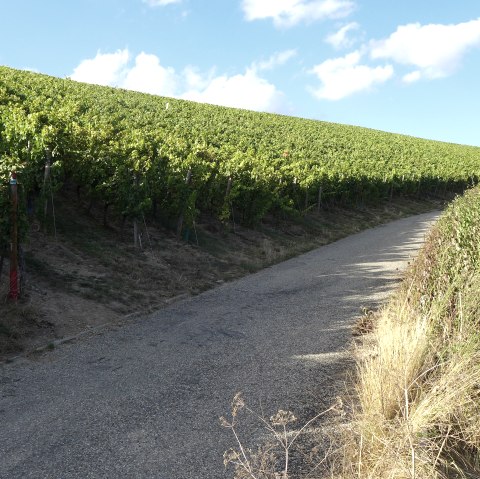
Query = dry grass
x=416 y=414
x=414 y=408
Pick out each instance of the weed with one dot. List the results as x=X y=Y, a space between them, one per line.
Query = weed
x=365 y=323
x=272 y=460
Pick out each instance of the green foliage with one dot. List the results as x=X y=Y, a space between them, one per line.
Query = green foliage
x=451 y=259
x=133 y=151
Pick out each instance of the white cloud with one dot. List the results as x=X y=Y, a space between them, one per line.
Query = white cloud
x=104 y=69
x=247 y=91
x=160 y=3
x=114 y=69
x=412 y=76
x=341 y=77
x=195 y=80
x=287 y=13
x=340 y=38
x=148 y=75
x=277 y=59
x=435 y=50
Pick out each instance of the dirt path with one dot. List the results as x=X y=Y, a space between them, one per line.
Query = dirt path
x=143 y=401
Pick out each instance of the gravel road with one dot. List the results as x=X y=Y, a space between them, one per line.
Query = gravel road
x=143 y=400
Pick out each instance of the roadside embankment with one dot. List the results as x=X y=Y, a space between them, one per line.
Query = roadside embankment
x=88 y=275
x=417 y=407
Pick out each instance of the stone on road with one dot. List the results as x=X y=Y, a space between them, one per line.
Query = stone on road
x=143 y=400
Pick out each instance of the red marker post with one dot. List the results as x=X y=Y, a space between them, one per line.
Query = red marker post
x=13 y=294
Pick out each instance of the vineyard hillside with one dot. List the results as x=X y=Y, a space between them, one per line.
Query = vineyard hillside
x=126 y=199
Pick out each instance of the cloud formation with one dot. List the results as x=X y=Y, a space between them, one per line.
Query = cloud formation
x=341 y=77
x=340 y=39
x=146 y=74
x=149 y=76
x=434 y=50
x=276 y=60
x=430 y=51
x=104 y=69
x=160 y=3
x=287 y=13
x=246 y=90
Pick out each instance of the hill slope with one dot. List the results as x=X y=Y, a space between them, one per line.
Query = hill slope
x=141 y=155
x=418 y=398
x=99 y=167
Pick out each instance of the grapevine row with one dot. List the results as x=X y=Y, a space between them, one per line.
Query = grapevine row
x=143 y=155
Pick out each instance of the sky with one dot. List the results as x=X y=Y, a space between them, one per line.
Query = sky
x=410 y=67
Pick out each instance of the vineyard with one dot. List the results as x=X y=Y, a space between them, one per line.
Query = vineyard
x=142 y=157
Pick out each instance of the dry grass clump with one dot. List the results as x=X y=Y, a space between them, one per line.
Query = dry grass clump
x=417 y=410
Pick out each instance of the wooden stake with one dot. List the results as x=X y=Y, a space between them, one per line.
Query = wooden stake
x=135 y=233
x=182 y=213
x=46 y=177
x=319 y=203
x=229 y=187
x=146 y=231
x=135 y=223
x=13 y=294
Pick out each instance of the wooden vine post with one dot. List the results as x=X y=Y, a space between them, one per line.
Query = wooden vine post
x=137 y=241
x=135 y=222
x=46 y=177
x=227 y=205
x=135 y=232
x=13 y=293
x=181 y=218
x=319 y=202
x=229 y=187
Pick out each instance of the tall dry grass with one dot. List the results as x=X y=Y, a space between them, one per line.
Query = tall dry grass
x=417 y=407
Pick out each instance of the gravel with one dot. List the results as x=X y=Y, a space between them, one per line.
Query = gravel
x=143 y=400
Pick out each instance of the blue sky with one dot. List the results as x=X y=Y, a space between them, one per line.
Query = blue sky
x=410 y=67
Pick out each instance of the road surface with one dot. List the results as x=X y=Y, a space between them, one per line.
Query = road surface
x=143 y=400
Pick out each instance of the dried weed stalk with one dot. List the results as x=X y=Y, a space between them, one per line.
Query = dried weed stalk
x=273 y=459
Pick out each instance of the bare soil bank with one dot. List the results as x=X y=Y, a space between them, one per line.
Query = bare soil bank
x=89 y=275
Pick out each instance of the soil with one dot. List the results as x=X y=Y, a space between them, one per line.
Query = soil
x=80 y=275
